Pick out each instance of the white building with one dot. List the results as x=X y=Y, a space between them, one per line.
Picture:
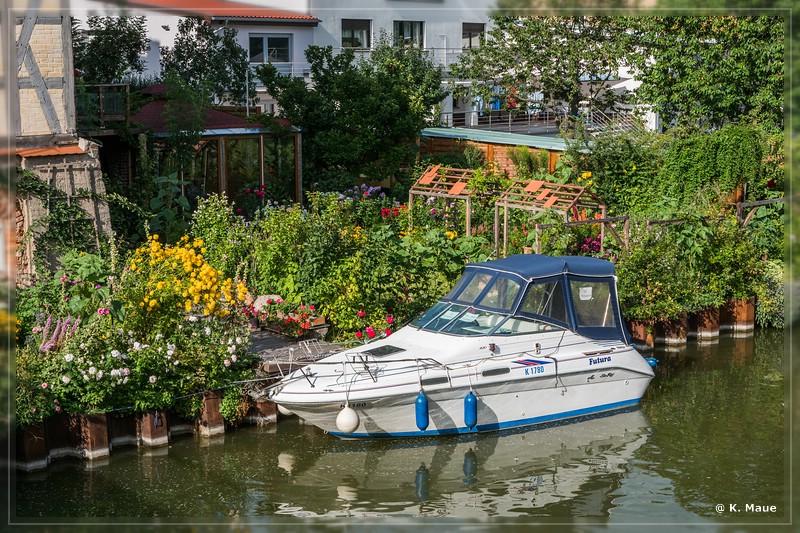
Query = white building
x=280 y=31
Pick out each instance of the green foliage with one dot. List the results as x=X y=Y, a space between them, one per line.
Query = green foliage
x=112 y=48
x=545 y=55
x=224 y=234
x=650 y=283
x=770 y=303
x=210 y=62
x=623 y=168
x=377 y=106
x=234 y=405
x=710 y=70
x=529 y=163
x=170 y=207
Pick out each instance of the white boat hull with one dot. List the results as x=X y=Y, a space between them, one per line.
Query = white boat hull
x=546 y=389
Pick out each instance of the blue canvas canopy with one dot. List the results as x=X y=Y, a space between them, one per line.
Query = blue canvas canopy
x=532 y=266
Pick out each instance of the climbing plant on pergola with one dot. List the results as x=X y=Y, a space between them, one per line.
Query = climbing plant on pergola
x=538 y=195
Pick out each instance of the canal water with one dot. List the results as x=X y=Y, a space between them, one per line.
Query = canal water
x=709 y=445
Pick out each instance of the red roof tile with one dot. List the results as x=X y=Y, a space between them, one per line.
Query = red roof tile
x=219 y=8
x=151 y=116
x=72 y=149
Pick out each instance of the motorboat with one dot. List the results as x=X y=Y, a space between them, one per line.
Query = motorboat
x=518 y=341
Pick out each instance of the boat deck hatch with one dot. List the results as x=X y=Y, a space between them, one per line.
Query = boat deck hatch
x=382 y=351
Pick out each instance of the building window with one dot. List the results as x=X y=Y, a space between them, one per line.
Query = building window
x=270 y=48
x=408 y=32
x=471 y=35
x=355 y=33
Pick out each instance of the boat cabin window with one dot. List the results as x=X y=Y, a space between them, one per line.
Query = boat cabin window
x=524 y=326
x=593 y=303
x=545 y=299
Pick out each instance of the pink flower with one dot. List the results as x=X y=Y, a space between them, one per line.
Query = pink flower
x=58 y=408
x=388 y=332
x=98 y=286
x=389 y=319
x=227 y=362
x=433 y=211
x=370 y=332
x=44 y=385
x=63 y=279
x=311 y=308
x=247 y=191
x=359 y=335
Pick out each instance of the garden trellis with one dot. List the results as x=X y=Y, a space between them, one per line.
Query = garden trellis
x=444 y=182
x=539 y=195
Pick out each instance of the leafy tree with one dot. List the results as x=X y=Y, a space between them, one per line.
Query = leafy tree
x=711 y=70
x=111 y=48
x=203 y=57
x=551 y=56
x=358 y=118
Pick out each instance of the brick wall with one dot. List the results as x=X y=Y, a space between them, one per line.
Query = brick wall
x=497 y=153
x=47 y=47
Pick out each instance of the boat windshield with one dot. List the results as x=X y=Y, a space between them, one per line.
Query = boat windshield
x=478 y=303
x=457 y=319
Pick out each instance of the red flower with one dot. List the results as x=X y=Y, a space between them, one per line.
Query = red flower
x=359 y=335
x=370 y=332
x=389 y=319
x=361 y=313
x=388 y=332
x=247 y=191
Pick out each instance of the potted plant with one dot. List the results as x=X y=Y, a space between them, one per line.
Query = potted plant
x=652 y=288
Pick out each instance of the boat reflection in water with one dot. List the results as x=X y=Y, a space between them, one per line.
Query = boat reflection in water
x=533 y=472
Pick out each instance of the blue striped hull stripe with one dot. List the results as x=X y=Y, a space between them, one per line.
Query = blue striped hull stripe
x=497 y=426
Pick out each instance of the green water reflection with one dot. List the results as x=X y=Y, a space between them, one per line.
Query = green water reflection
x=710 y=431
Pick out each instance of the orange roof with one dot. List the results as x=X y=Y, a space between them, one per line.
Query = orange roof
x=72 y=149
x=217 y=8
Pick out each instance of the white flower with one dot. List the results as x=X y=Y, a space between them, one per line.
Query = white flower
x=234 y=358
x=192 y=318
x=85 y=376
x=170 y=353
x=126 y=371
x=92 y=370
x=152 y=379
x=175 y=362
x=170 y=346
x=231 y=349
x=159 y=336
x=115 y=353
x=99 y=375
x=65 y=380
x=69 y=357
x=116 y=372
x=238 y=340
x=207 y=330
x=227 y=362
x=124 y=380
x=137 y=346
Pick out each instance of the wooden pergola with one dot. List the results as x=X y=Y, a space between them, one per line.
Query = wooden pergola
x=444 y=182
x=538 y=195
